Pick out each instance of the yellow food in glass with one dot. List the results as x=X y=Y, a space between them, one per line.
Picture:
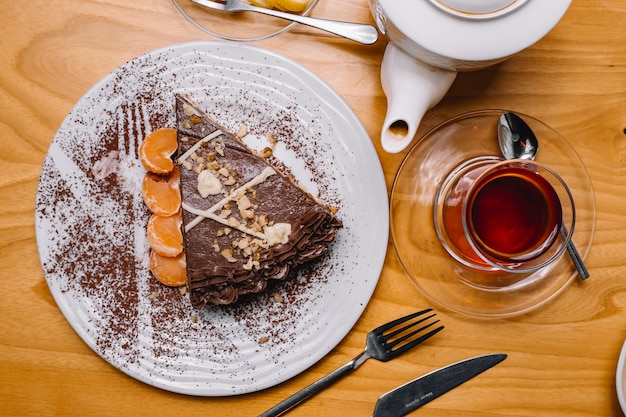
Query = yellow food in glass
x=293 y=6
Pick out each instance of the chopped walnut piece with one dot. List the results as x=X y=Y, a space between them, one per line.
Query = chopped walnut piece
x=243 y=243
x=219 y=148
x=263 y=220
x=261 y=243
x=244 y=203
x=228 y=255
x=248 y=265
x=242 y=132
x=266 y=153
x=247 y=214
x=189 y=110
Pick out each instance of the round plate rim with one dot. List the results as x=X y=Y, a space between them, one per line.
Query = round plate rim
x=361 y=145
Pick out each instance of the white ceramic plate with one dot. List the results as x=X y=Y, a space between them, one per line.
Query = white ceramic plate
x=620 y=378
x=90 y=221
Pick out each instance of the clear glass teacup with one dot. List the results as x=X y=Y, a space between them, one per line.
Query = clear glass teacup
x=504 y=215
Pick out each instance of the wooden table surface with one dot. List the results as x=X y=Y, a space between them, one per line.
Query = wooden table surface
x=562 y=357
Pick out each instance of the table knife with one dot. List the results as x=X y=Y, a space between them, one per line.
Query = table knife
x=412 y=395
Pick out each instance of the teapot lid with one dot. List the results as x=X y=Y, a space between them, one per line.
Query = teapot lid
x=473 y=30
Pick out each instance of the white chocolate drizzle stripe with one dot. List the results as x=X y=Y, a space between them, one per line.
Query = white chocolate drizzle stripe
x=210 y=213
x=198 y=144
x=206 y=214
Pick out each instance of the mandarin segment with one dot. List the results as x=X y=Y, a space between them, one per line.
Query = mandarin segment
x=156 y=150
x=164 y=234
x=170 y=271
x=161 y=194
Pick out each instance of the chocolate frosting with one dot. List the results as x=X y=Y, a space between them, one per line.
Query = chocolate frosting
x=219 y=279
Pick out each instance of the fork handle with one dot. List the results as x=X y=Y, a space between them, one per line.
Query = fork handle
x=358 y=32
x=307 y=392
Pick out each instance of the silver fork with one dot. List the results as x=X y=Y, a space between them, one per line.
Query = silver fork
x=358 y=32
x=383 y=343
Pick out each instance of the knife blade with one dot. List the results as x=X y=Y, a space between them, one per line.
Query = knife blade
x=412 y=395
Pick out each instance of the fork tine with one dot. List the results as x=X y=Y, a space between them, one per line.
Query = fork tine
x=396 y=322
x=407 y=327
x=415 y=342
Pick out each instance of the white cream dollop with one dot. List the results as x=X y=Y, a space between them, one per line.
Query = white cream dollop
x=208 y=184
x=277 y=233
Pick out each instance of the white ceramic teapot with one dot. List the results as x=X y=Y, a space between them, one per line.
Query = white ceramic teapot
x=431 y=40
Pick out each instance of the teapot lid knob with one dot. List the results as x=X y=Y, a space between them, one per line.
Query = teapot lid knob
x=478 y=9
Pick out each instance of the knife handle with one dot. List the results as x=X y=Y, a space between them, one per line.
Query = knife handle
x=307 y=392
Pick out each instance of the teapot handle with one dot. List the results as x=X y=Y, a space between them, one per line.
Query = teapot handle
x=412 y=88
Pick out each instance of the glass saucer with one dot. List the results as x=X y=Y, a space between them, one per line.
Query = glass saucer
x=236 y=26
x=444 y=280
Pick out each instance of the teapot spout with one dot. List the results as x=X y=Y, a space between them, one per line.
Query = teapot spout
x=412 y=88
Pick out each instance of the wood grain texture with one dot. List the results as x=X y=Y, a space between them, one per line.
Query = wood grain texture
x=562 y=358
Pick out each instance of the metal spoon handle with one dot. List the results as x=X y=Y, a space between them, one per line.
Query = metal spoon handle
x=358 y=32
x=573 y=253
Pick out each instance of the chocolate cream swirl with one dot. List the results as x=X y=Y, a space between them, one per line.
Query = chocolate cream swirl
x=220 y=284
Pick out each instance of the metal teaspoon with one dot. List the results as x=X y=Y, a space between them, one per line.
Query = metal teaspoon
x=518 y=141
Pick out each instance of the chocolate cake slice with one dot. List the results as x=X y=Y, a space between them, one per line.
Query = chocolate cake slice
x=244 y=223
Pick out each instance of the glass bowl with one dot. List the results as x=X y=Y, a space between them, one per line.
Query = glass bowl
x=441 y=278
x=245 y=26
